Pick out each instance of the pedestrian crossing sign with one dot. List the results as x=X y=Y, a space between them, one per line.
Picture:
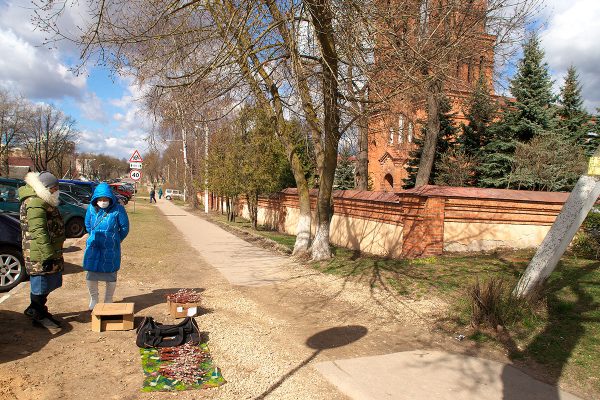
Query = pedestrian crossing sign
x=136 y=157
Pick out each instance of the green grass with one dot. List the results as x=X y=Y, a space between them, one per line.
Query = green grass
x=562 y=332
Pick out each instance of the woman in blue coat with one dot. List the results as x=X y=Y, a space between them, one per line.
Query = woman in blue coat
x=107 y=224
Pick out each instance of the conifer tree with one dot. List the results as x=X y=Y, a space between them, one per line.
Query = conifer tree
x=574 y=121
x=344 y=172
x=480 y=113
x=532 y=89
x=531 y=114
x=446 y=140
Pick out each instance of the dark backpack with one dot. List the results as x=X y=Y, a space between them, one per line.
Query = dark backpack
x=154 y=334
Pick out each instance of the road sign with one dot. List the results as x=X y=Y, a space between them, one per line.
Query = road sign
x=136 y=157
x=135 y=165
x=135 y=174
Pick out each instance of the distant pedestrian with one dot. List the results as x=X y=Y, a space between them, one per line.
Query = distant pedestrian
x=152 y=195
x=160 y=193
x=108 y=225
x=43 y=232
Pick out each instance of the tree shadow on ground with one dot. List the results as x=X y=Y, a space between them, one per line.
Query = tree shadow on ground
x=19 y=338
x=555 y=344
x=159 y=296
x=327 y=339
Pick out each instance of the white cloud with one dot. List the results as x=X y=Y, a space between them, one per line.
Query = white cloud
x=571 y=38
x=97 y=141
x=92 y=108
x=35 y=72
x=134 y=116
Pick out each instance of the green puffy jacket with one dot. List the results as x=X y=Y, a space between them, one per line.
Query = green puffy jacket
x=43 y=231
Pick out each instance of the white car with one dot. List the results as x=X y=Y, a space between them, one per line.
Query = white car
x=171 y=194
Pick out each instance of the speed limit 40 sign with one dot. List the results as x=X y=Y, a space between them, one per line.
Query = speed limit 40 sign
x=135 y=174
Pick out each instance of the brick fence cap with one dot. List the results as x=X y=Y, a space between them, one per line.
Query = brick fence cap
x=484 y=193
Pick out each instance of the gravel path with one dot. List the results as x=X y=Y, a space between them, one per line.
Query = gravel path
x=266 y=339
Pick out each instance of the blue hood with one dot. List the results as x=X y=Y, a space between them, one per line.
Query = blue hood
x=103 y=190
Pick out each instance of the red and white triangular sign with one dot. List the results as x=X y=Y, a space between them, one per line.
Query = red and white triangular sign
x=136 y=157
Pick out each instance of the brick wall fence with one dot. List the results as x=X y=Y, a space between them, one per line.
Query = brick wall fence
x=426 y=221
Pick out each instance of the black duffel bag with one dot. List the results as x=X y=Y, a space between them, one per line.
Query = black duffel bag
x=154 y=334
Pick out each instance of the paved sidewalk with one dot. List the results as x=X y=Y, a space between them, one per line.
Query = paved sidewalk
x=223 y=250
x=411 y=375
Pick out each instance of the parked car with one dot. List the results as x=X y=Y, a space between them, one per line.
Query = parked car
x=122 y=190
x=171 y=194
x=12 y=266
x=72 y=211
x=79 y=192
x=88 y=186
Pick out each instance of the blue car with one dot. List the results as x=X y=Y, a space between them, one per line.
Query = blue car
x=72 y=211
x=12 y=266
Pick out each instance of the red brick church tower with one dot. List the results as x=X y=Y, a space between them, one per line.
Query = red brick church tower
x=392 y=132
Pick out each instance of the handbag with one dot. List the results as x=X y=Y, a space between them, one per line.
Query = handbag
x=154 y=334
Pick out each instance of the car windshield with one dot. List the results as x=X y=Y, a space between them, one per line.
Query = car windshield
x=69 y=199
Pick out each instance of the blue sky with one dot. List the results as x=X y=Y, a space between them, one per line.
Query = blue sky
x=107 y=107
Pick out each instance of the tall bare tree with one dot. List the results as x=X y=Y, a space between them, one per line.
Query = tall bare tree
x=49 y=134
x=14 y=113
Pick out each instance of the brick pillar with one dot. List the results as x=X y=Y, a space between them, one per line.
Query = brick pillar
x=423 y=234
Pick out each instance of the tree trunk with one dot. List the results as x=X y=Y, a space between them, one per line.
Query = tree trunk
x=330 y=136
x=303 y=232
x=431 y=135
x=362 y=158
x=578 y=205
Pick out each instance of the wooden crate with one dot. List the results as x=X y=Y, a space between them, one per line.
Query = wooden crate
x=112 y=317
x=182 y=310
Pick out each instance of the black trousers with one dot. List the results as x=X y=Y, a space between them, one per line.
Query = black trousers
x=38 y=306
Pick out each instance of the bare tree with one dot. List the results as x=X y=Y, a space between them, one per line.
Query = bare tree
x=13 y=118
x=49 y=134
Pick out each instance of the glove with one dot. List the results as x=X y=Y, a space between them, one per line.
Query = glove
x=47 y=265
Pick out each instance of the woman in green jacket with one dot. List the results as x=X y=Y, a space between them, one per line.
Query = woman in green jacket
x=43 y=233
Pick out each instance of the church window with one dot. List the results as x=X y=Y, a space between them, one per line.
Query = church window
x=388 y=183
x=401 y=128
x=424 y=17
x=469 y=71
x=391 y=135
x=410 y=132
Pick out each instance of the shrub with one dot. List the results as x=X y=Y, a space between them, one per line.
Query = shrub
x=492 y=304
x=587 y=241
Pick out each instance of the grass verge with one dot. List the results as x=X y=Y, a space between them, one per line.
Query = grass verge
x=561 y=332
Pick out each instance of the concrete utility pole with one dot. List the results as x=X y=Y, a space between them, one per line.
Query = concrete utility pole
x=578 y=205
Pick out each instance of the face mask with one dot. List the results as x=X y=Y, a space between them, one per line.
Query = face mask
x=55 y=198
x=103 y=204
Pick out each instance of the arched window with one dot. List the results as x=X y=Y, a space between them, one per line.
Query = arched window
x=391 y=135
x=481 y=66
x=469 y=71
x=388 y=183
x=411 y=128
x=401 y=128
x=424 y=18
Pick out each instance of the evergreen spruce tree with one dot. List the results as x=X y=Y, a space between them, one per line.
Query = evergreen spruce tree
x=480 y=113
x=532 y=89
x=344 y=172
x=475 y=134
x=574 y=121
x=446 y=140
x=531 y=114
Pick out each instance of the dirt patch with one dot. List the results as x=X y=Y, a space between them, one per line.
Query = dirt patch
x=262 y=338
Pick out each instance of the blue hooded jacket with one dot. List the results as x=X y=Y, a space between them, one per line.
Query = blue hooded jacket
x=107 y=228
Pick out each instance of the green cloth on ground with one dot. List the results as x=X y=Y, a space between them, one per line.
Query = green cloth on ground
x=154 y=382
